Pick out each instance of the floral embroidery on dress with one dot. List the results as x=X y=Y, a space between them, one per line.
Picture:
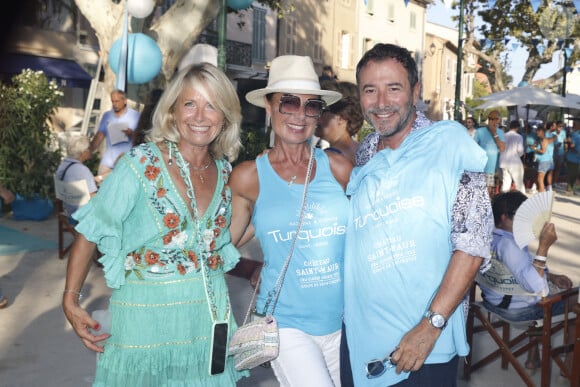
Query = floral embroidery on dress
x=176 y=254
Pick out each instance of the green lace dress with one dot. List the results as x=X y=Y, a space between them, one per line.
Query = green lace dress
x=167 y=272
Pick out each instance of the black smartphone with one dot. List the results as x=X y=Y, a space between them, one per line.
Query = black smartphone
x=219 y=348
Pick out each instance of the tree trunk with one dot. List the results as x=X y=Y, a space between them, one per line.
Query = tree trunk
x=175 y=31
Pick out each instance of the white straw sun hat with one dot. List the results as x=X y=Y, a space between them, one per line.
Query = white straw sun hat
x=294 y=75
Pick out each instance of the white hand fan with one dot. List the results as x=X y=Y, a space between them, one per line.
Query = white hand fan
x=531 y=216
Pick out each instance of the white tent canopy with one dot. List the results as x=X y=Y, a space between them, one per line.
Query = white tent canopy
x=528 y=96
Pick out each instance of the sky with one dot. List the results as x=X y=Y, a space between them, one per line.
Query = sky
x=439 y=14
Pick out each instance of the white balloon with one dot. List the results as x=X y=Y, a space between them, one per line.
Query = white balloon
x=140 y=8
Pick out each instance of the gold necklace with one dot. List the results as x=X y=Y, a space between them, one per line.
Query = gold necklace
x=201 y=170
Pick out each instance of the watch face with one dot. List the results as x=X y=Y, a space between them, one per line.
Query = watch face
x=437 y=321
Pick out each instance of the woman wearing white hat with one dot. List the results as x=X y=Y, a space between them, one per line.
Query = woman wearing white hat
x=269 y=192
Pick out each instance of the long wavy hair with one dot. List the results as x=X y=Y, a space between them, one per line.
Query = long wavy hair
x=215 y=86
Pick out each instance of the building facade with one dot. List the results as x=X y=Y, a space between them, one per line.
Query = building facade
x=440 y=72
x=331 y=32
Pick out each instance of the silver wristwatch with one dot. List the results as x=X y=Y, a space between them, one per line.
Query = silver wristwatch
x=436 y=319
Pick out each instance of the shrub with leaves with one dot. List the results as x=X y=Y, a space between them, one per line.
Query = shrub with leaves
x=28 y=152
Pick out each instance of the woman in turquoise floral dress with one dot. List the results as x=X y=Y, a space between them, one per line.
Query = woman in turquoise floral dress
x=161 y=222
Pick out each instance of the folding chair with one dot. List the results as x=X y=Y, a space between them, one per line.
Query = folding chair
x=499 y=278
x=75 y=193
x=575 y=377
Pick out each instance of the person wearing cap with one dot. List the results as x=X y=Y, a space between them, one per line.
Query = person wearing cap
x=419 y=229
x=268 y=193
x=492 y=139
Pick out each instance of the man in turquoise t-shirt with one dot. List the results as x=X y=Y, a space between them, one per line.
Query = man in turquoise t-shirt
x=403 y=284
x=491 y=138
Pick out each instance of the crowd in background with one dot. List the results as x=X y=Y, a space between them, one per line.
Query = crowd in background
x=535 y=156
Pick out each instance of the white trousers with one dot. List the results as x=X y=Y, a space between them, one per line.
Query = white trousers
x=306 y=360
x=515 y=174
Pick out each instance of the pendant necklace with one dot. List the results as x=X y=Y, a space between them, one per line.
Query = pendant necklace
x=204 y=253
x=201 y=170
x=292 y=180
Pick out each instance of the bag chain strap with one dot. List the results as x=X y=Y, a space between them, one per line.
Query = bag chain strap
x=275 y=293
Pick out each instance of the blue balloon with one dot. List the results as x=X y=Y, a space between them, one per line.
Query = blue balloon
x=144 y=58
x=239 y=4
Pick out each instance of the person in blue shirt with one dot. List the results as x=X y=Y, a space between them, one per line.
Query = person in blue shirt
x=544 y=149
x=573 y=157
x=530 y=271
x=117 y=126
x=559 y=149
x=492 y=139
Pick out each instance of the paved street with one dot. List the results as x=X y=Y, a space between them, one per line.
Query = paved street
x=38 y=348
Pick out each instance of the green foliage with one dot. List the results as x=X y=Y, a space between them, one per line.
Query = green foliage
x=553 y=22
x=254 y=142
x=279 y=7
x=28 y=155
x=93 y=163
x=364 y=131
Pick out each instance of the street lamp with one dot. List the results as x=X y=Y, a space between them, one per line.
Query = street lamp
x=222 y=19
x=458 y=76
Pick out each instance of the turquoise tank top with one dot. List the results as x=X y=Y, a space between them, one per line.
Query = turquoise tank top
x=311 y=298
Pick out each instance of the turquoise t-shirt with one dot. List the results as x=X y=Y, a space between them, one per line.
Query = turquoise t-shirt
x=485 y=140
x=548 y=155
x=573 y=154
x=311 y=298
x=398 y=244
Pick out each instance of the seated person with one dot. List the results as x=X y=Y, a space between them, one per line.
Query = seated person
x=530 y=272
x=73 y=169
x=6 y=196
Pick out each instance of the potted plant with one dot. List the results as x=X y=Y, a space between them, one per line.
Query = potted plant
x=29 y=153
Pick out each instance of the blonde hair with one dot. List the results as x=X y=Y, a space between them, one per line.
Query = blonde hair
x=215 y=86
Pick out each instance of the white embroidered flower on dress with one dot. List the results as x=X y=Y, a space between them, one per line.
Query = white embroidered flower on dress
x=129 y=262
x=207 y=238
x=179 y=240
